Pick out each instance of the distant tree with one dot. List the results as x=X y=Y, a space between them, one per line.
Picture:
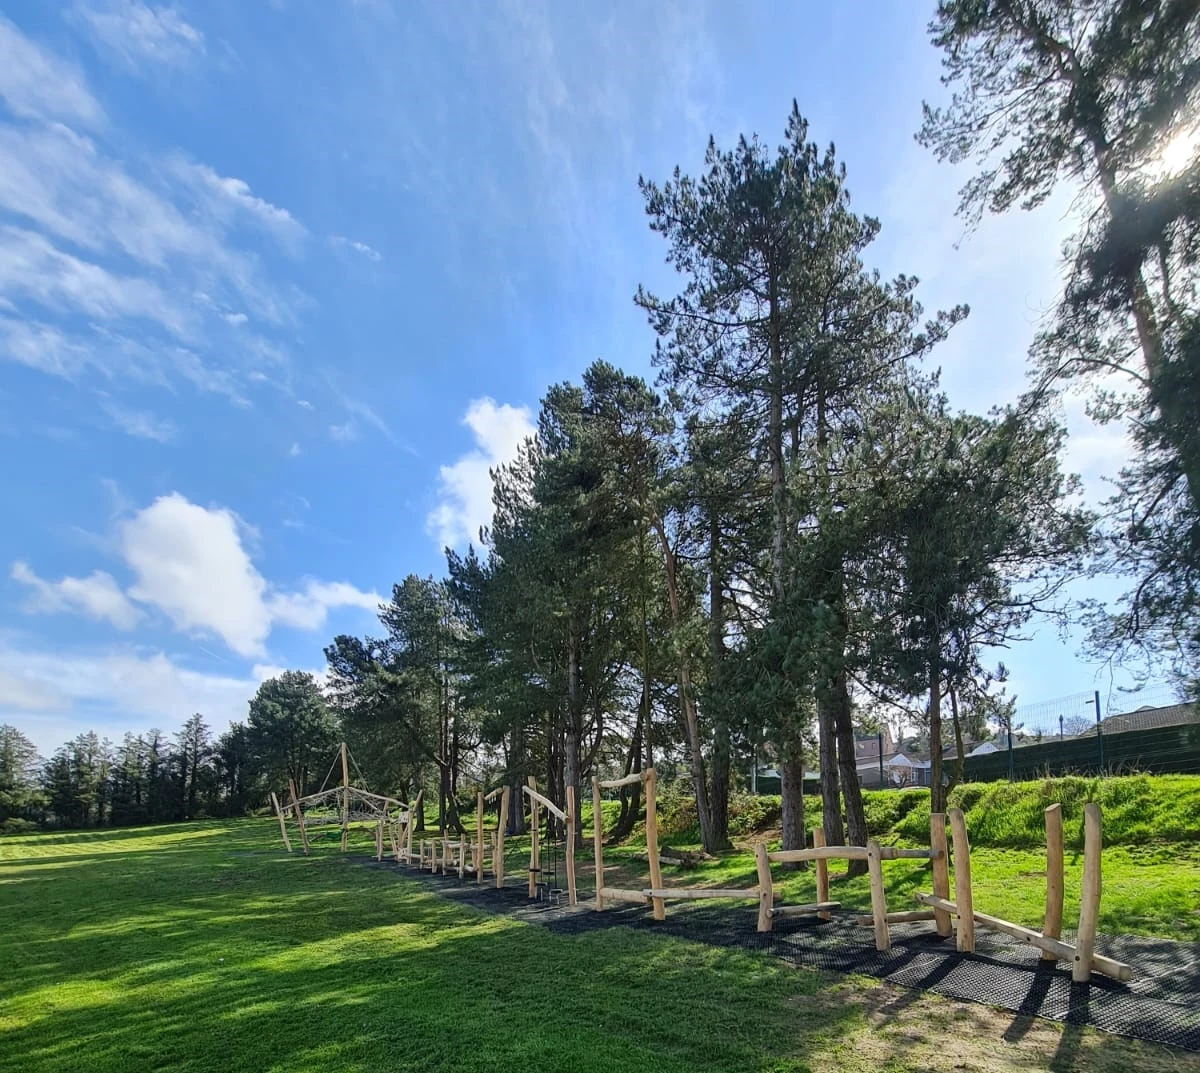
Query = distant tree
x=235 y=771
x=76 y=781
x=19 y=767
x=292 y=731
x=193 y=748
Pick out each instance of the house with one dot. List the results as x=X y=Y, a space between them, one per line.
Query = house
x=1149 y=717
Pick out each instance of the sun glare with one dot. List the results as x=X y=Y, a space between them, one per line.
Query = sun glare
x=1178 y=153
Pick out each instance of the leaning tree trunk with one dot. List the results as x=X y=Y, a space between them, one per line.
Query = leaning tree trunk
x=856 y=819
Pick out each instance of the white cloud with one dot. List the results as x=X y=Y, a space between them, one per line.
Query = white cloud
x=307 y=610
x=294 y=451
x=132 y=32
x=344 y=433
x=35 y=84
x=234 y=319
x=465 y=487
x=97 y=596
x=230 y=197
x=141 y=424
x=368 y=252
x=304 y=404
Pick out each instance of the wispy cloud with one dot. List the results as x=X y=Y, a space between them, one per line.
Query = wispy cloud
x=228 y=197
x=344 y=433
x=97 y=596
x=37 y=84
x=141 y=424
x=341 y=242
x=133 y=33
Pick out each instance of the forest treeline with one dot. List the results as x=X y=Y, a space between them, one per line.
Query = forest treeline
x=791 y=533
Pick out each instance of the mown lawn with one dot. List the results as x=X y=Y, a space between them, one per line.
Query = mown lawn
x=207 y=948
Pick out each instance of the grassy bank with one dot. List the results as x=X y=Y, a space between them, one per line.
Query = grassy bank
x=205 y=948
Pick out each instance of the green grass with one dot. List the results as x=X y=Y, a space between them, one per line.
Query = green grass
x=205 y=947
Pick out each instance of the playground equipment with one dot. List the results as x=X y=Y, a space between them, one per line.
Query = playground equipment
x=657 y=893
x=568 y=820
x=342 y=805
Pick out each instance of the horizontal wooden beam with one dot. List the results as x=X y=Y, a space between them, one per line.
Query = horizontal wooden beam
x=494 y=794
x=803 y=910
x=541 y=799
x=629 y=780
x=1106 y=966
x=620 y=894
x=820 y=853
x=898 y=918
x=695 y=893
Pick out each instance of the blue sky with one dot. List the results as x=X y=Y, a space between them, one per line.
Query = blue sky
x=279 y=279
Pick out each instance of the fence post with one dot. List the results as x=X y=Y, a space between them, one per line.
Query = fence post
x=1099 y=735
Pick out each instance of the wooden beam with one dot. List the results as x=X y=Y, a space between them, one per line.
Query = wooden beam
x=941 y=871
x=535 y=860
x=1052 y=926
x=571 y=892
x=1117 y=970
x=883 y=939
x=660 y=909
x=1089 y=895
x=299 y=814
x=822 y=871
x=494 y=794
x=345 y=797
x=479 y=837
x=793 y=856
x=698 y=893
x=766 y=888
x=629 y=780
x=598 y=842
x=282 y=822
x=620 y=894
x=820 y=908
x=543 y=800
x=965 y=939
x=902 y=918
x=498 y=857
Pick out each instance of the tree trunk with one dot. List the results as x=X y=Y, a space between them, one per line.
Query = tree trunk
x=831 y=804
x=856 y=818
x=631 y=796
x=937 y=792
x=722 y=749
x=791 y=777
x=957 y=774
x=574 y=730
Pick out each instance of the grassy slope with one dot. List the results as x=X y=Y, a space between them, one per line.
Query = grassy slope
x=205 y=948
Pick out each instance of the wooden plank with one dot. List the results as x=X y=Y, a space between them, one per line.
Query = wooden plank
x=535 y=859
x=965 y=939
x=698 y=893
x=1052 y=926
x=282 y=822
x=883 y=939
x=660 y=908
x=841 y=853
x=629 y=780
x=1062 y=951
x=901 y=918
x=598 y=842
x=822 y=871
x=1089 y=895
x=345 y=797
x=620 y=894
x=494 y=794
x=941 y=871
x=766 y=889
x=541 y=799
x=571 y=892
x=498 y=858
x=820 y=908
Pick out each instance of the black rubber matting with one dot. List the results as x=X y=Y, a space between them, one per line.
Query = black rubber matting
x=1161 y=1004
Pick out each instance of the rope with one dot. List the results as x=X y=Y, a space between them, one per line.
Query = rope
x=328 y=773
x=361 y=776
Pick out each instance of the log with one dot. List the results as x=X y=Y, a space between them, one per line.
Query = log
x=541 y=799
x=1052 y=926
x=498 y=855
x=895 y=853
x=571 y=893
x=1107 y=966
x=282 y=822
x=299 y=814
x=598 y=843
x=941 y=871
x=820 y=908
x=494 y=794
x=479 y=837
x=883 y=939
x=660 y=909
x=822 y=871
x=535 y=858
x=901 y=918
x=965 y=939
x=793 y=856
x=766 y=891
x=697 y=893
x=1089 y=895
x=345 y=798
x=620 y=894
x=629 y=780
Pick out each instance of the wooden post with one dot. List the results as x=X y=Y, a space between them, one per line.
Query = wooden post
x=535 y=859
x=598 y=840
x=1089 y=897
x=282 y=822
x=883 y=939
x=1052 y=928
x=822 y=873
x=298 y=813
x=498 y=858
x=570 y=845
x=345 y=798
x=660 y=906
x=962 y=882
x=379 y=841
x=766 y=890
x=479 y=837
x=941 y=870
x=412 y=822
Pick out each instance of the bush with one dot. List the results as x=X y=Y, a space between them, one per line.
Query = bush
x=14 y=825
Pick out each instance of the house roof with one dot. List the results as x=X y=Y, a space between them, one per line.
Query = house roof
x=1148 y=718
